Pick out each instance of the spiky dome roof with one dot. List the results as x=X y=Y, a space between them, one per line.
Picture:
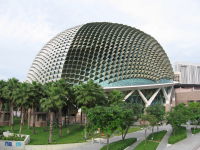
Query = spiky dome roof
x=111 y=54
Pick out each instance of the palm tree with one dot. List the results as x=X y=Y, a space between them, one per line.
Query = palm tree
x=22 y=95
x=89 y=95
x=2 y=99
x=64 y=99
x=36 y=93
x=115 y=97
x=55 y=100
x=10 y=94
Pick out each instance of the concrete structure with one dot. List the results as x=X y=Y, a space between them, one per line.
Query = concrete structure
x=188 y=76
x=14 y=145
x=113 y=55
x=188 y=73
x=4 y=118
x=185 y=93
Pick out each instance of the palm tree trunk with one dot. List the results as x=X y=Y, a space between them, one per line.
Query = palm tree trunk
x=22 y=120
x=29 y=117
x=33 y=114
x=11 y=116
x=65 y=122
x=51 y=127
x=85 y=127
x=68 y=121
x=107 y=142
x=81 y=117
x=60 y=122
x=1 y=105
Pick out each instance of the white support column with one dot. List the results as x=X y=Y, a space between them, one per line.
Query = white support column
x=128 y=95
x=167 y=95
x=153 y=96
x=167 y=98
x=143 y=97
x=148 y=102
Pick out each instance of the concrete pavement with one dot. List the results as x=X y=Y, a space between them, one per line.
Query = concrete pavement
x=164 y=143
x=190 y=143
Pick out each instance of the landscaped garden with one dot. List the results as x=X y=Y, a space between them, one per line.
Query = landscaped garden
x=152 y=141
x=105 y=114
x=120 y=145
x=71 y=134
x=177 y=135
x=195 y=130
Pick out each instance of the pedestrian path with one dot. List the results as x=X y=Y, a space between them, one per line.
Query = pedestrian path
x=141 y=136
x=189 y=132
x=164 y=143
x=190 y=143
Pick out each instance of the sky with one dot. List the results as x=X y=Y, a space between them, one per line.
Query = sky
x=27 y=25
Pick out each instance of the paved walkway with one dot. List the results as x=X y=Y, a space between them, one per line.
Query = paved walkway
x=164 y=143
x=190 y=143
x=140 y=135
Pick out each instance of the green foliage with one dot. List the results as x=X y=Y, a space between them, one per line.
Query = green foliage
x=150 y=118
x=14 y=137
x=178 y=116
x=2 y=85
x=36 y=93
x=147 y=145
x=194 y=112
x=9 y=90
x=120 y=145
x=195 y=130
x=152 y=141
x=158 y=111
x=71 y=134
x=105 y=118
x=177 y=135
x=128 y=114
x=157 y=136
x=22 y=94
x=115 y=97
x=89 y=94
x=56 y=96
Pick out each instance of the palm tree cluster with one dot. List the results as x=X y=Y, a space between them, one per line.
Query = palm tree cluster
x=53 y=98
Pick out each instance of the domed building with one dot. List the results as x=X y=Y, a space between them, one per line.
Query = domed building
x=115 y=56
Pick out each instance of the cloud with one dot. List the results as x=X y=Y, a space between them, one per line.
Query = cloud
x=168 y=21
x=29 y=25
x=25 y=26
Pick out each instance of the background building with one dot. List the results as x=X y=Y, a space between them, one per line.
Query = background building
x=188 y=73
x=188 y=76
x=115 y=56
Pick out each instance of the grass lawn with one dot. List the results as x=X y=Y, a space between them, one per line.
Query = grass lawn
x=157 y=136
x=71 y=134
x=120 y=145
x=195 y=130
x=148 y=145
x=152 y=141
x=177 y=135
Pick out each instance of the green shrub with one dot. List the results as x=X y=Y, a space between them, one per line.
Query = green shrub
x=157 y=136
x=195 y=130
x=177 y=135
x=152 y=141
x=149 y=145
x=120 y=145
x=13 y=138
